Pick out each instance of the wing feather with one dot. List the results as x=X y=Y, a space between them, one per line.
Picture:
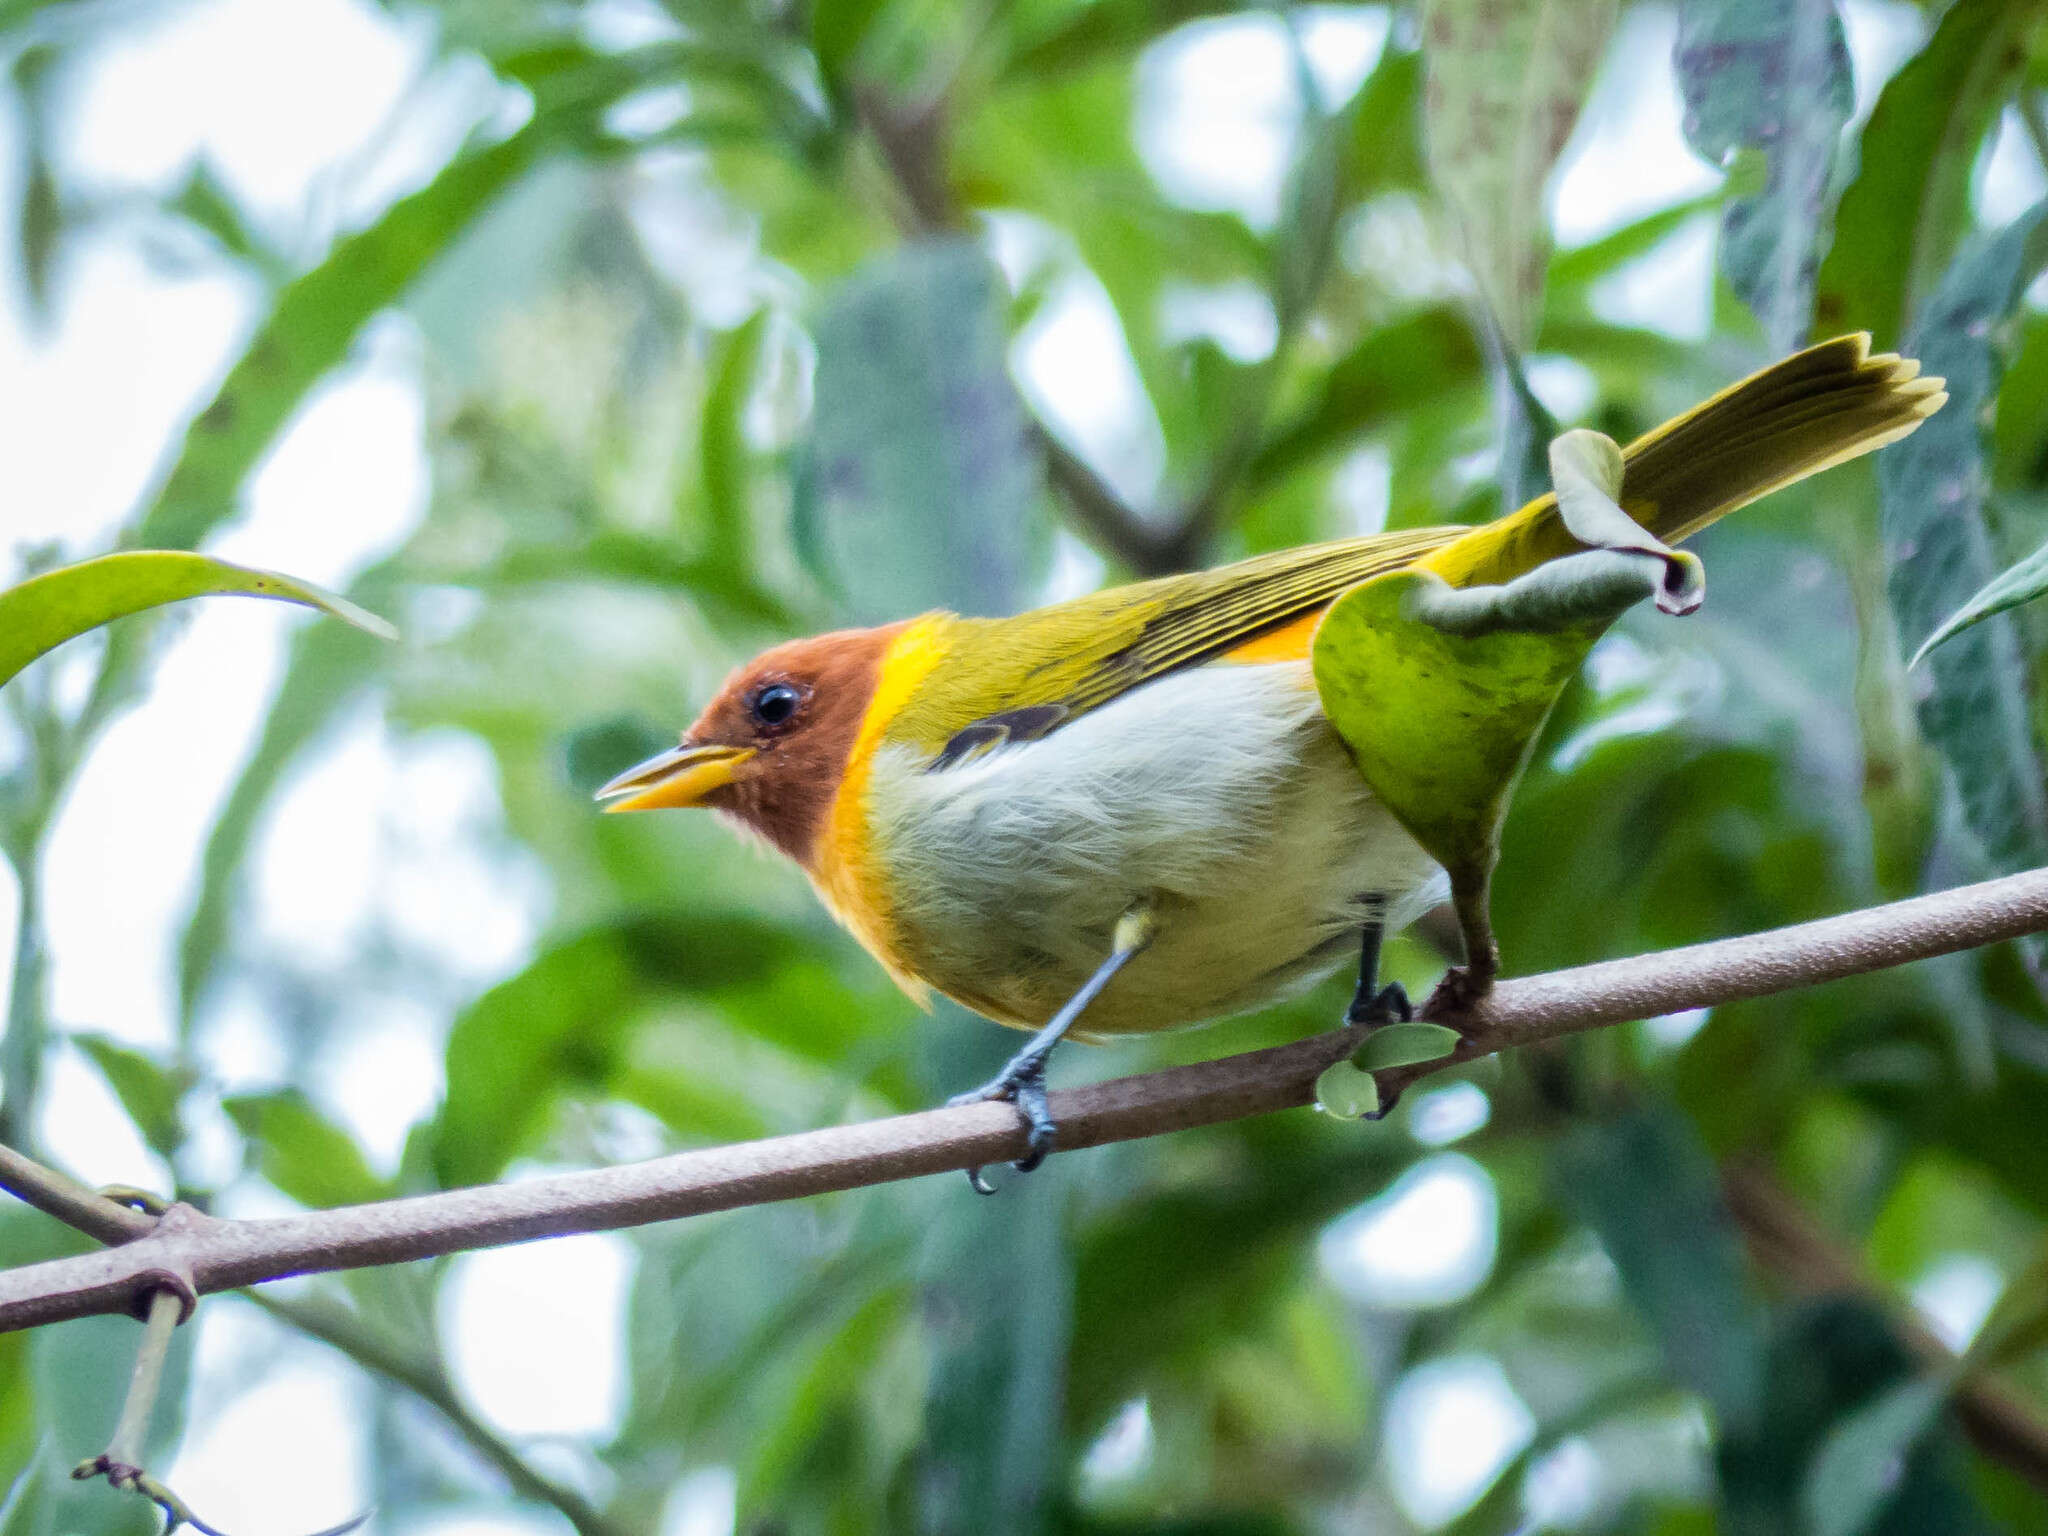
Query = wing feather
x=1079 y=655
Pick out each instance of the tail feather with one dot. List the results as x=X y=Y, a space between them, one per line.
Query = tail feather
x=1806 y=413
x=1814 y=410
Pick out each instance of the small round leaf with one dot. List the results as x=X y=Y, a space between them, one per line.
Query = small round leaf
x=1346 y=1091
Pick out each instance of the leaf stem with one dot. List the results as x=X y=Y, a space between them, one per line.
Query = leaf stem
x=166 y=1310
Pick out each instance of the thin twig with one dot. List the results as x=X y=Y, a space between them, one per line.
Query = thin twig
x=215 y=1255
x=71 y=1202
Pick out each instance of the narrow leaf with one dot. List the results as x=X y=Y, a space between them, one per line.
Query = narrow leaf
x=1909 y=203
x=1768 y=78
x=303 y=1153
x=310 y=329
x=921 y=486
x=1649 y=1189
x=1505 y=86
x=1862 y=1463
x=43 y=612
x=2016 y=584
x=1940 y=553
x=148 y=1090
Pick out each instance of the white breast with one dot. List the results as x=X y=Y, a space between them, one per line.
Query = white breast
x=1220 y=792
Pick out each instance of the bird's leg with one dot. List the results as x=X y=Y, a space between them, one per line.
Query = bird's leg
x=1022 y=1080
x=1463 y=985
x=1373 y=1004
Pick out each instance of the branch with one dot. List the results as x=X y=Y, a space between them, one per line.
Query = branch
x=215 y=1255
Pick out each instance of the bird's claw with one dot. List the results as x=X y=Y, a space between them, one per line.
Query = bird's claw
x=1022 y=1083
x=1389 y=1005
x=1459 y=988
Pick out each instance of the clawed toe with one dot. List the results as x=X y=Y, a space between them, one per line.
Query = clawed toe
x=1023 y=1085
x=1389 y=1005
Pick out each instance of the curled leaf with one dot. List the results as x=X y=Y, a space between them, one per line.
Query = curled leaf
x=43 y=612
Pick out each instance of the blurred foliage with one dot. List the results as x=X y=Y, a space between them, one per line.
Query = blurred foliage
x=720 y=330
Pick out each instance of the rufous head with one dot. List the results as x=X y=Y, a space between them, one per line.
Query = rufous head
x=771 y=748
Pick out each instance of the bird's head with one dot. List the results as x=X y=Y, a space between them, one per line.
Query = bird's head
x=771 y=749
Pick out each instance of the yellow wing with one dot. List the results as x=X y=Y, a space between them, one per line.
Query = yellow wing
x=1801 y=415
x=1043 y=668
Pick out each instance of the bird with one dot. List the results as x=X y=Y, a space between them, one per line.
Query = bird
x=1129 y=811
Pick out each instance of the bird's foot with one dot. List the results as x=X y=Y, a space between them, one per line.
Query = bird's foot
x=1389 y=1005
x=1455 y=994
x=1022 y=1083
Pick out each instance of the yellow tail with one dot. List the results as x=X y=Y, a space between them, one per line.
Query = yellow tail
x=1809 y=412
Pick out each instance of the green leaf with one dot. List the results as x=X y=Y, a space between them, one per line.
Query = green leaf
x=26 y=1511
x=147 y=1089
x=303 y=1153
x=1385 y=117
x=1831 y=1363
x=1648 y=1189
x=1505 y=86
x=1863 y=1460
x=1347 y=1090
x=920 y=486
x=209 y=206
x=2016 y=584
x=556 y=1027
x=1405 y=1045
x=1941 y=556
x=1106 y=30
x=1582 y=265
x=45 y=611
x=314 y=321
x=722 y=447
x=1768 y=77
x=1901 y=218
x=1407 y=363
x=838 y=28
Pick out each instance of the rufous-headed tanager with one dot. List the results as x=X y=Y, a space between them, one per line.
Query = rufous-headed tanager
x=1133 y=802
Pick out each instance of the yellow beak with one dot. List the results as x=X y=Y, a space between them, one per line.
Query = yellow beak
x=681 y=776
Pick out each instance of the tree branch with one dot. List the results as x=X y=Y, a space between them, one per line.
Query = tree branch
x=215 y=1255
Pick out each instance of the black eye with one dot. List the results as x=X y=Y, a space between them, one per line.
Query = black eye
x=775 y=703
